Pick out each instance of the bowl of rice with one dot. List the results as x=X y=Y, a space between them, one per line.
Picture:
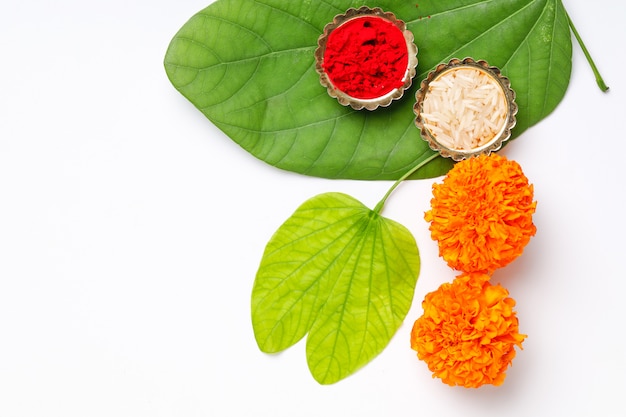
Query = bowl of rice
x=465 y=108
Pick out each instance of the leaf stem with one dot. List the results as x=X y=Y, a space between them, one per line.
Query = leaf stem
x=599 y=79
x=379 y=207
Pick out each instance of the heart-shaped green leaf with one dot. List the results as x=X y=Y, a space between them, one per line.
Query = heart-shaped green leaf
x=340 y=272
x=248 y=65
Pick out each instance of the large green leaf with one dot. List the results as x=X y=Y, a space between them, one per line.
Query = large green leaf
x=340 y=272
x=248 y=65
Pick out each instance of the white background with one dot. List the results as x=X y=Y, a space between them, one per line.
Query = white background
x=131 y=230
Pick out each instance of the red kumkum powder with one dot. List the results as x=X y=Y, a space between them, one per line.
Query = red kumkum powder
x=366 y=57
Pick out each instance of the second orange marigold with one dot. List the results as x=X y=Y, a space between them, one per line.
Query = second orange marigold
x=468 y=332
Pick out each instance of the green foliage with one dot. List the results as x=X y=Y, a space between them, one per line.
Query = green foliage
x=341 y=273
x=249 y=67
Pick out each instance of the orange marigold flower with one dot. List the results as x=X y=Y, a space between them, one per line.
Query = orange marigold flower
x=468 y=332
x=481 y=215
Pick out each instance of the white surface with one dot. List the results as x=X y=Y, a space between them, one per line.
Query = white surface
x=131 y=230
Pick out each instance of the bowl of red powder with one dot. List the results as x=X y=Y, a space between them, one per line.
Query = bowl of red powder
x=465 y=108
x=366 y=58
